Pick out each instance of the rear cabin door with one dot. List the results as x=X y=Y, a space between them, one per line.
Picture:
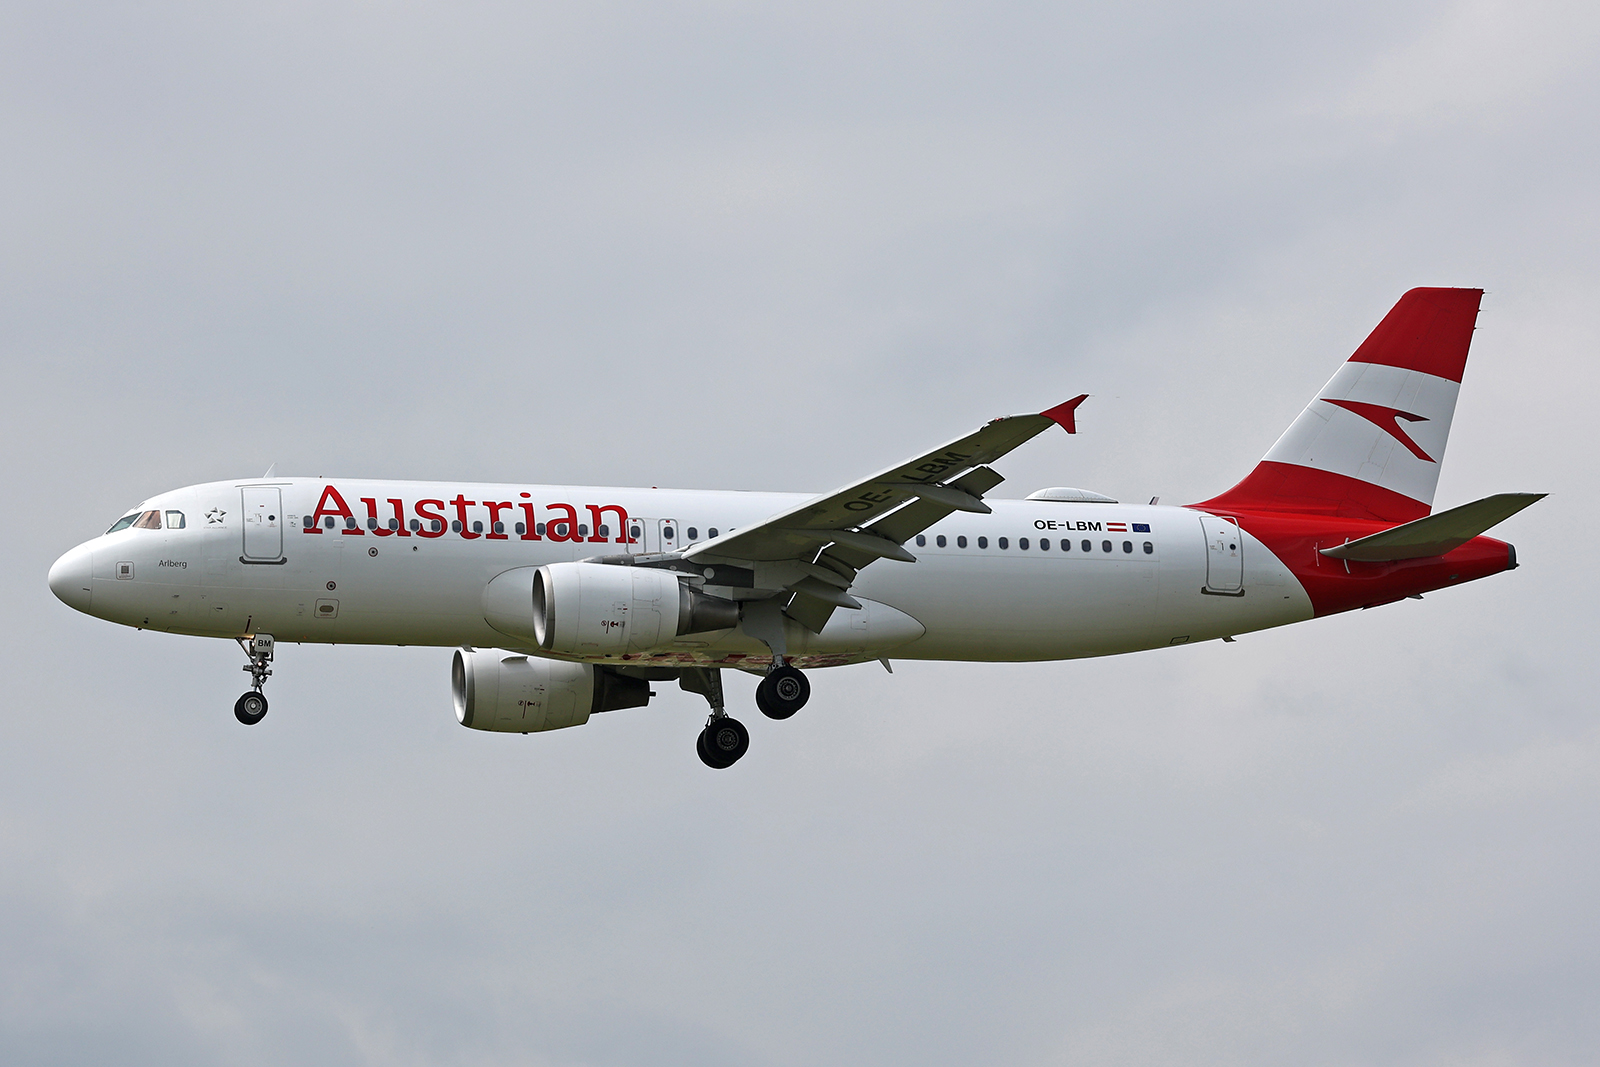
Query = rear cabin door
x=1224 y=555
x=263 y=523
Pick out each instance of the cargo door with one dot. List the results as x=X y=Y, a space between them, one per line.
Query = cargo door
x=263 y=524
x=1224 y=555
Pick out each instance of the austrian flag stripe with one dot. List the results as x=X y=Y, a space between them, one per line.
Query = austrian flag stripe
x=1116 y=527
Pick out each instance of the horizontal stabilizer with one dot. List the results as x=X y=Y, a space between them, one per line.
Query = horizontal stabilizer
x=1436 y=534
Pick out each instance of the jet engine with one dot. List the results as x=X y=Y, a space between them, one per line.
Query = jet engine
x=599 y=609
x=510 y=693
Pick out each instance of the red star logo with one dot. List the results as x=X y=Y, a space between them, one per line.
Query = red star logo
x=1387 y=420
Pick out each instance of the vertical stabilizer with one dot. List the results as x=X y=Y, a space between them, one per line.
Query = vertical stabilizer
x=1369 y=446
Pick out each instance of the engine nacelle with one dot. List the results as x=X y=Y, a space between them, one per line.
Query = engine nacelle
x=600 y=609
x=511 y=693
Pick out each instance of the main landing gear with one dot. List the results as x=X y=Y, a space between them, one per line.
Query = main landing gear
x=724 y=740
x=252 y=707
x=782 y=692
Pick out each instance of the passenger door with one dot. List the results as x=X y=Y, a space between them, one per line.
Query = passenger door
x=1224 y=555
x=263 y=523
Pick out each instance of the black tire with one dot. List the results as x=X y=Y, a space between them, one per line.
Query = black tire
x=782 y=693
x=250 y=708
x=723 y=742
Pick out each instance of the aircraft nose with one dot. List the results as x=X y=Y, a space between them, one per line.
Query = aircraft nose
x=70 y=578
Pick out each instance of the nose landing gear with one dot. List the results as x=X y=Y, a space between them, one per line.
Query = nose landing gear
x=251 y=708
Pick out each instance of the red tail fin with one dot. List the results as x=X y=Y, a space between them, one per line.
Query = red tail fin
x=1369 y=445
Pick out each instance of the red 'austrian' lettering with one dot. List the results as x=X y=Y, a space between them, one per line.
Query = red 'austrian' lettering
x=560 y=525
x=330 y=504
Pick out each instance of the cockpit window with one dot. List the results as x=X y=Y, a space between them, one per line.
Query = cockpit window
x=123 y=523
x=174 y=520
x=150 y=520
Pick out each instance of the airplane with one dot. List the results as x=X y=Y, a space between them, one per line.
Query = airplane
x=568 y=601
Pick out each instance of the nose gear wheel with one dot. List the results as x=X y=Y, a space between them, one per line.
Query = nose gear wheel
x=251 y=708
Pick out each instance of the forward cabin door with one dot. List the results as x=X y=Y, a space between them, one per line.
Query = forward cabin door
x=1224 y=556
x=263 y=523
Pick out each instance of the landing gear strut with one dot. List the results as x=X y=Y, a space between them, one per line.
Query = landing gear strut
x=782 y=692
x=724 y=739
x=252 y=707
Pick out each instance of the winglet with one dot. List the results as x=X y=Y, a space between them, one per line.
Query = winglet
x=1066 y=414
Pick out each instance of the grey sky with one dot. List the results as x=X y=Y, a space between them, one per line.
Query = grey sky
x=776 y=246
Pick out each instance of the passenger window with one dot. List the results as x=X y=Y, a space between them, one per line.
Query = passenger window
x=499 y=527
x=633 y=531
x=309 y=521
x=1044 y=544
x=1087 y=547
x=174 y=520
x=477 y=527
x=583 y=530
x=1149 y=549
x=150 y=520
x=939 y=540
x=1127 y=546
x=1105 y=546
x=694 y=533
x=921 y=541
x=327 y=521
x=455 y=525
x=349 y=522
x=123 y=523
x=713 y=531
x=1004 y=543
x=1022 y=543
x=394 y=524
x=1066 y=546
x=604 y=530
x=666 y=532
x=416 y=525
x=438 y=525
x=521 y=528
x=538 y=529
x=372 y=523
x=983 y=542
x=961 y=541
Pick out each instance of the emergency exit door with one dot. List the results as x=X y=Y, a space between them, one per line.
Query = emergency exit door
x=650 y=536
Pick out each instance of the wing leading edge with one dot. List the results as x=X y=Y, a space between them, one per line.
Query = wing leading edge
x=828 y=539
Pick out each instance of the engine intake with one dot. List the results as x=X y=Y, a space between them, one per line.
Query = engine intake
x=511 y=693
x=599 y=609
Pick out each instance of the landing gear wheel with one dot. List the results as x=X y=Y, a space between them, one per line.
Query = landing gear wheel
x=782 y=693
x=722 y=742
x=250 y=708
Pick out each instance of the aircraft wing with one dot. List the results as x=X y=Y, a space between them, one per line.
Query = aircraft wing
x=833 y=536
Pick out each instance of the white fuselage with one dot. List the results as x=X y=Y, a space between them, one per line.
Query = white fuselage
x=244 y=561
